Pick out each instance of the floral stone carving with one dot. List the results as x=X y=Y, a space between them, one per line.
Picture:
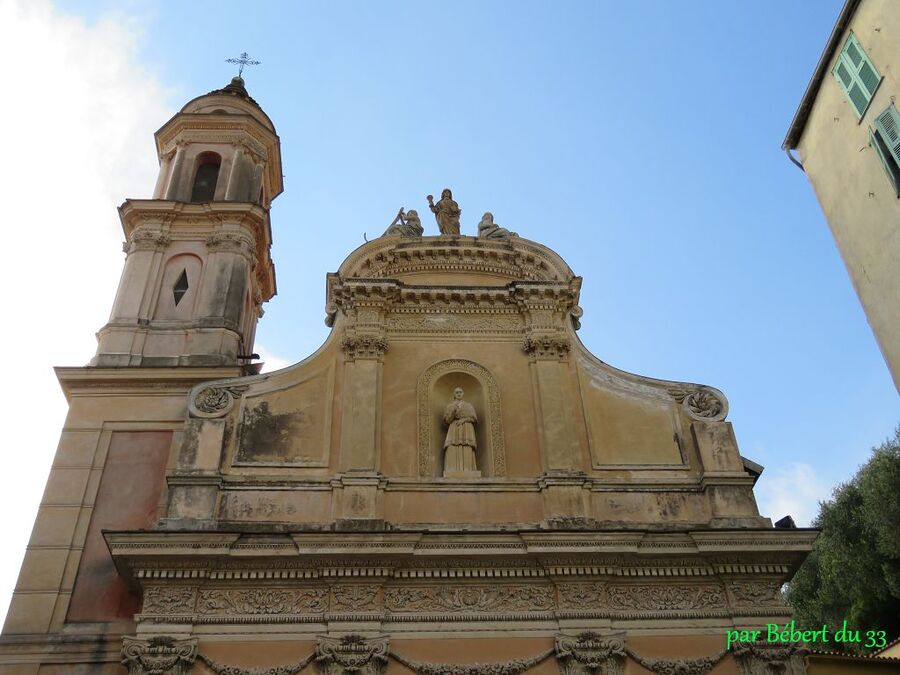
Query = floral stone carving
x=513 y=667
x=699 y=666
x=161 y=655
x=469 y=599
x=289 y=669
x=263 y=601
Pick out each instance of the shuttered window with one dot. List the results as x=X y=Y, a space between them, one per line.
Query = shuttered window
x=886 y=141
x=856 y=74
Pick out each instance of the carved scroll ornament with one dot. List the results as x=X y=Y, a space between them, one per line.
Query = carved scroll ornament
x=591 y=654
x=162 y=655
x=213 y=401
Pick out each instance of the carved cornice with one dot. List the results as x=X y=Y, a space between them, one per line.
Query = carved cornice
x=161 y=655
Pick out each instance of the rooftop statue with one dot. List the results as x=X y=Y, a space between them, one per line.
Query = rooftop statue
x=446 y=212
x=405 y=225
x=487 y=229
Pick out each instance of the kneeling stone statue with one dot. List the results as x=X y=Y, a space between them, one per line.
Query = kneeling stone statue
x=487 y=229
x=405 y=225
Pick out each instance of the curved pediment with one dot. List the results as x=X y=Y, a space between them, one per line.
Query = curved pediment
x=455 y=260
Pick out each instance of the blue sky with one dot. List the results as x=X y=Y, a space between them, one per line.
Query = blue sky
x=640 y=140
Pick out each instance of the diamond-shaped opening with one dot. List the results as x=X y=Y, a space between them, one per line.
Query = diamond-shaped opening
x=181 y=287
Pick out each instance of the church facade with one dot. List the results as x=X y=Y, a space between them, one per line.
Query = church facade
x=452 y=483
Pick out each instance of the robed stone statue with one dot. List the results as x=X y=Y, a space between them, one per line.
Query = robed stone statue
x=459 y=446
x=446 y=212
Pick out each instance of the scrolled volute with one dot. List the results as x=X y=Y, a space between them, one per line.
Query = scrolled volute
x=160 y=655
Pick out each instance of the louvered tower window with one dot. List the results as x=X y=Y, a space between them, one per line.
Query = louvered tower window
x=857 y=75
x=885 y=138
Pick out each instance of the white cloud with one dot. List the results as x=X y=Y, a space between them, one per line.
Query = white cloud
x=271 y=361
x=793 y=490
x=79 y=113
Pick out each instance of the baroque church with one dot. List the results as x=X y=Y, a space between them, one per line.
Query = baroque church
x=451 y=484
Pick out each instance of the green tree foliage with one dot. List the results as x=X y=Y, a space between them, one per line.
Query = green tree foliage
x=853 y=572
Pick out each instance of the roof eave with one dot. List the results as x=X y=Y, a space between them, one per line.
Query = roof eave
x=798 y=124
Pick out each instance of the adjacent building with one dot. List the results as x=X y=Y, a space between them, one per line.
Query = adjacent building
x=846 y=134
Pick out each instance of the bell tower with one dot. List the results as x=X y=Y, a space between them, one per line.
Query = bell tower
x=198 y=266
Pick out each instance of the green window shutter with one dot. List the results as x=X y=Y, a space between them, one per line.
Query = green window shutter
x=856 y=74
x=888 y=125
x=884 y=155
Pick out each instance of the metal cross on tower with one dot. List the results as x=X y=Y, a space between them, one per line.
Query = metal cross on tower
x=243 y=60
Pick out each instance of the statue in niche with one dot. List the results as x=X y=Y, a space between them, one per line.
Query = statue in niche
x=487 y=229
x=406 y=224
x=459 y=446
x=446 y=212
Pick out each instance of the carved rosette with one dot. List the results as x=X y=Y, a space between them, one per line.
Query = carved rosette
x=364 y=346
x=704 y=403
x=768 y=658
x=543 y=347
x=147 y=239
x=212 y=401
x=352 y=654
x=591 y=654
x=162 y=655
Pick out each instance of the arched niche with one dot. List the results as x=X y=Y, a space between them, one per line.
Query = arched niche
x=435 y=391
x=179 y=288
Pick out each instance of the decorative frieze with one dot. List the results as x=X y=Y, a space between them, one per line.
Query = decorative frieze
x=665 y=597
x=473 y=599
x=755 y=593
x=261 y=600
x=354 y=598
x=591 y=654
x=169 y=600
x=162 y=655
